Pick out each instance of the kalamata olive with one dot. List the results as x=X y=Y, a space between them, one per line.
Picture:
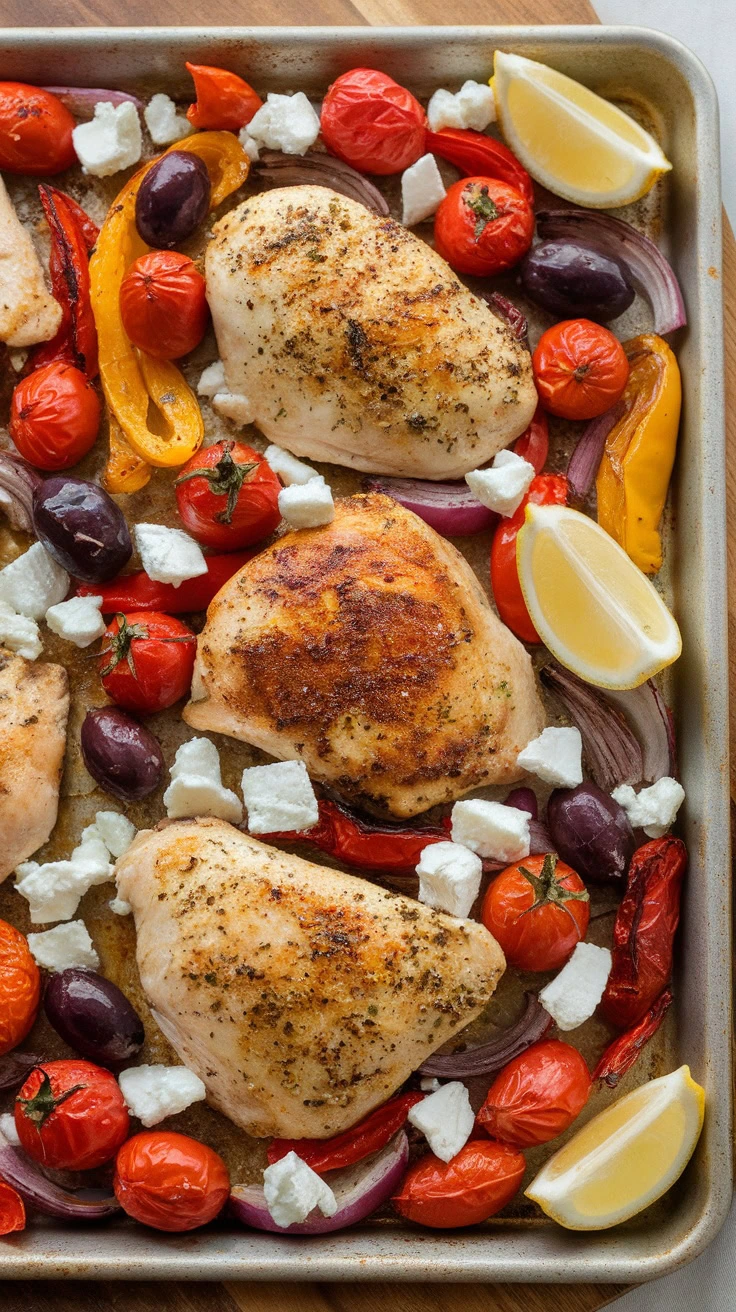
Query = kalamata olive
x=122 y=755
x=575 y=282
x=523 y=799
x=93 y=1016
x=81 y=527
x=591 y=832
x=173 y=199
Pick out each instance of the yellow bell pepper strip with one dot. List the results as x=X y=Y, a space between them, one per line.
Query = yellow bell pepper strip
x=635 y=470
x=158 y=416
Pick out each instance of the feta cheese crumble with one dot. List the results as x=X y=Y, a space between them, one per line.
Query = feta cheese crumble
x=54 y=890
x=120 y=907
x=491 y=829
x=249 y=145
x=422 y=189
x=212 y=379
x=196 y=786
x=286 y=123
x=653 y=809
x=168 y=555
x=289 y=469
x=77 y=620
x=7 y=1128
x=473 y=106
x=446 y=1119
x=64 y=946
x=19 y=634
x=153 y=1092
x=573 y=995
x=163 y=122
x=429 y=1084
x=116 y=831
x=292 y=1190
x=279 y=797
x=449 y=878
x=33 y=582
x=234 y=406
x=307 y=505
x=556 y=756
x=502 y=487
x=111 y=141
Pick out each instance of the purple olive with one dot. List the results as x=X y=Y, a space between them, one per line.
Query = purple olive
x=93 y=1016
x=591 y=832
x=173 y=199
x=81 y=527
x=575 y=282
x=523 y=799
x=122 y=755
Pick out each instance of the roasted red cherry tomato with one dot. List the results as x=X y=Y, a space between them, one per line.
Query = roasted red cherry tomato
x=54 y=416
x=371 y=122
x=537 y=1096
x=70 y=1115
x=481 y=1179
x=35 y=131
x=20 y=987
x=533 y=445
x=163 y=304
x=12 y=1210
x=224 y=101
x=228 y=496
x=483 y=226
x=580 y=369
x=539 y=911
x=147 y=660
x=544 y=490
x=169 y=1181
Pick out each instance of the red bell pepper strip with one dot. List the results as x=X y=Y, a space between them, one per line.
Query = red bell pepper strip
x=545 y=490
x=533 y=445
x=368 y=844
x=139 y=592
x=369 y=1136
x=224 y=101
x=477 y=155
x=620 y=1055
x=12 y=1210
x=73 y=235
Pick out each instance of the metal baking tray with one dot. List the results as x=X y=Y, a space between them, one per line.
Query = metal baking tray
x=663 y=82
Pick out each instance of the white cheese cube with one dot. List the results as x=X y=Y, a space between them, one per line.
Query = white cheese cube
x=653 y=809
x=473 y=106
x=573 y=995
x=422 y=189
x=163 y=122
x=64 y=946
x=289 y=469
x=116 y=831
x=286 y=123
x=17 y=359
x=234 y=406
x=111 y=141
x=555 y=756
x=168 y=555
x=153 y=1092
x=307 y=505
x=8 y=1130
x=279 y=797
x=443 y=111
x=77 y=620
x=449 y=878
x=196 y=786
x=502 y=487
x=292 y=1191
x=33 y=582
x=19 y=634
x=446 y=1119
x=120 y=907
x=429 y=1084
x=491 y=829
x=54 y=890
x=249 y=145
x=212 y=380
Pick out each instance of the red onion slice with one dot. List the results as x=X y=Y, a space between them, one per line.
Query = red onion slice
x=15 y=1066
x=322 y=170
x=612 y=750
x=513 y=317
x=585 y=459
x=651 y=719
x=81 y=101
x=531 y=1026
x=449 y=508
x=69 y=1205
x=17 y=484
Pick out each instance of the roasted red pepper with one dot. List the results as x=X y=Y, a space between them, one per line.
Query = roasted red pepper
x=475 y=154
x=139 y=592
x=545 y=490
x=224 y=101
x=620 y=1055
x=369 y=1136
x=533 y=445
x=368 y=844
x=644 y=931
x=73 y=235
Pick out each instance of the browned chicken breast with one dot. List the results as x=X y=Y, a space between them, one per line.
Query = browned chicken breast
x=302 y=997
x=28 y=312
x=368 y=649
x=34 y=705
x=354 y=342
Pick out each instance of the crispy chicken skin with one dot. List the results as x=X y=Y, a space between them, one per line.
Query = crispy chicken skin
x=367 y=649
x=303 y=997
x=34 y=705
x=28 y=313
x=354 y=341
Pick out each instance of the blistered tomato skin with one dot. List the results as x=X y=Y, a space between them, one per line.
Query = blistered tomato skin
x=54 y=417
x=20 y=988
x=537 y=1096
x=580 y=369
x=122 y=756
x=35 y=131
x=147 y=661
x=228 y=496
x=163 y=304
x=481 y=1179
x=173 y=199
x=483 y=226
x=538 y=911
x=372 y=123
x=169 y=1181
x=70 y=1115
x=82 y=527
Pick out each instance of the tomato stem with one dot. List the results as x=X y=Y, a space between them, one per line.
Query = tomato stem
x=484 y=209
x=226 y=478
x=43 y=1103
x=549 y=890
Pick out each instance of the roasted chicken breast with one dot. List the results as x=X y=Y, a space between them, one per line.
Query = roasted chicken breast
x=28 y=311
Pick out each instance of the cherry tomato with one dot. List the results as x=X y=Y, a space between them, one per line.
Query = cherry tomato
x=54 y=416
x=224 y=101
x=12 y=1210
x=481 y=1179
x=533 y=445
x=483 y=226
x=71 y=1115
x=169 y=1181
x=544 y=490
x=538 y=910
x=20 y=987
x=537 y=1096
x=228 y=496
x=35 y=131
x=371 y=122
x=163 y=304
x=580 y=369
x=147 y=660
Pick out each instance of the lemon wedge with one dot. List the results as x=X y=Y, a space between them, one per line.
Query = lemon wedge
x=575 y=143
x=625 y=1158
x=589 y=602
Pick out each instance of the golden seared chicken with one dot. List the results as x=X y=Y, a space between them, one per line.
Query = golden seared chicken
x=28 y=312
x=367 y=649
x=354 y=342
x=34 y=705
x=302 y=997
